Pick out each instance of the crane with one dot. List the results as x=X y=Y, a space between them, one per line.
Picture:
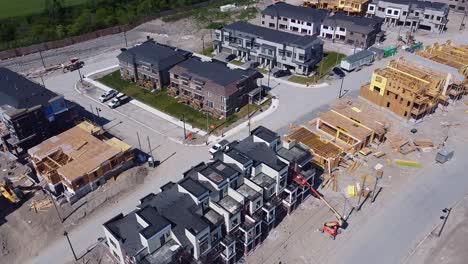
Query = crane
x=331 y=227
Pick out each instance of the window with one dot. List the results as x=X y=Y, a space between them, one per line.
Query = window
x=263 y=16
x=222 y=107
x=176 y=76
x=235 y=222
x=210 y=104
x=396 y=96
x=408 y=103
x=381 y=9
x=115 y=254
x=209 y=94
x=301 y=57
x=426 y=16
x=223 y=99
x=288 y=54
x=285 y=19
x=272 y=25
x=293 y=20
x=184 y=82
x=113 y=243
x=405 y=13
x=270 y=52
x=438 y=18
x=376 y=89
x=281 y=26
x=281 y=52
x=341 y=29
x=396 y=12
x=198 y=97
x=389 y=11
x=263 y=22
x=406 y=113
x=388 y=104
x=325 y=27
x=198 y=87
x=272 y=17
x=371 y=8
x=309 y=24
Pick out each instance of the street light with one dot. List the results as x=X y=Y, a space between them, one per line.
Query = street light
x=69 y=243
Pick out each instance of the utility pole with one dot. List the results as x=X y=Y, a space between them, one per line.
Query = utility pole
x=462 y=26
x=42 y=59
x=125 y=37
x=69 y=243
x=183 y=120
x=99 y=117
x=362 y=192
x=374 y=191
x=81 y=77
x=207 y=126
x=150 y=149
x=56 y=208
x=92 y=112
x=203 y=44
x=139 y=142
x=341 y=88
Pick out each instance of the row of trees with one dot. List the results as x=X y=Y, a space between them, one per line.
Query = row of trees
x=58 y=21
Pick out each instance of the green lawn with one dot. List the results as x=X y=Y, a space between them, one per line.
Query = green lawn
x=18 y=8
x=329 y=61
x=168 y=104
x=236 y=62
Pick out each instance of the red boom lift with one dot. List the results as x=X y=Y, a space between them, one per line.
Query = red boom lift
x=331 y=227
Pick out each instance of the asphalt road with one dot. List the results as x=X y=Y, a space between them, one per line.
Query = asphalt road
x=386 y=237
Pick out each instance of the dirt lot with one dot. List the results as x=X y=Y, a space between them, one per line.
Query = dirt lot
x=24 y=222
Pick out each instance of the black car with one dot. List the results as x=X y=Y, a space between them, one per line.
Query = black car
x=281 y=73
x=254 y=65
x=339 y=72
x=230 y=57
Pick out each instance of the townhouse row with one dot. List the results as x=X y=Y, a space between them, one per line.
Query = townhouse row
x=353 y=30
x=219 y=211
x=210 y=86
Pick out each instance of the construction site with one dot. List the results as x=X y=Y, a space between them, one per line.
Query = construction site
x=411 y=90
x=448 y=53
x=351 y=7
x=79 y=160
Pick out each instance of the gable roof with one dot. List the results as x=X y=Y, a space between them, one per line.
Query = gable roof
x=296 y=12
x=244 y=29
x=20 y=93
x=159 y=56
x=260 y=152
x=358 y=24
x=214 y=71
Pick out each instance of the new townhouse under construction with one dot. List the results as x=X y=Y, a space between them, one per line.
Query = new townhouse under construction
x=449 y=53
x=80 y=159
x=411 y=90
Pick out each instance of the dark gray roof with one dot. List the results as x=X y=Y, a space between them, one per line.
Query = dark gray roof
x=265 y=134
x=160 y=56
x=237 y=155
x=244 y=29
x=127 y=230
x=248 y=192
x=263 y=180
x=216 y=71
x=359 y=56
x=421 y=4
x=363 y=25
x=295 y=154
x=21 y=93
x=155 y=221
x=295 y=12
x=225 y=169
x=192 y=186
x=260 y=152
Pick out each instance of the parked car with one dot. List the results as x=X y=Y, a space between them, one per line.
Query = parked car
x=107 y=95
x=339 y=72
x=254 y=65
x=281 y=73
x=118 y=100
x=230 y=57
x=218 y=146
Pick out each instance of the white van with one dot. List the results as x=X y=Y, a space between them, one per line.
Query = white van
x=118 y=100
